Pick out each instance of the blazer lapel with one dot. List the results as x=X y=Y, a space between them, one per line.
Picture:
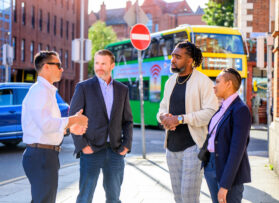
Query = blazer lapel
x=99 y=94
x=227 y=113
x=115 y=99
x=213 y=116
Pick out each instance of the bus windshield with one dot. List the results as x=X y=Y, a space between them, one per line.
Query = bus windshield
x=219 y=43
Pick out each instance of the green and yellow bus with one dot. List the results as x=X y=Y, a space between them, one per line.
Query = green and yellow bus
x=221 y=47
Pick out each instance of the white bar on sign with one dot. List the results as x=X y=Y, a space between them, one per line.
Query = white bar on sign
x=140 y=36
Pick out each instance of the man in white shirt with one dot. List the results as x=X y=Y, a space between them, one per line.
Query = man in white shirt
x=43 y=128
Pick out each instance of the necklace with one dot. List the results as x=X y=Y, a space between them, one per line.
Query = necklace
x=180 y=83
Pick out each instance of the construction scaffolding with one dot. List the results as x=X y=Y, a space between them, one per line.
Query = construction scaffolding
x=5 y=32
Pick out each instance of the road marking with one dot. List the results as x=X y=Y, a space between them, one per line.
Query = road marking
x=5 y=182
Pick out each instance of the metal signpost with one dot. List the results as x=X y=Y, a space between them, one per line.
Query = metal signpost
x=140 y=38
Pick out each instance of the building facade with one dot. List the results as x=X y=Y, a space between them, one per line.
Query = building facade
x=255 y=18
x=258 y=18
x=46 y=25
x=161 y=15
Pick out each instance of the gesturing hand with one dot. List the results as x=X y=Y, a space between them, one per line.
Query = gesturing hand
x=77 y=129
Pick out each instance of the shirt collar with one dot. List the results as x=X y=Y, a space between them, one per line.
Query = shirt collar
x=226 y=103
x=44 y=82
x=104 y=83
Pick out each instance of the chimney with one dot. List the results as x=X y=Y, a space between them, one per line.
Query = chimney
x=128 y=5
x=103 y=12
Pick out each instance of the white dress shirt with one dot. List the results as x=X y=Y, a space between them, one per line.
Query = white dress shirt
x=41 y=117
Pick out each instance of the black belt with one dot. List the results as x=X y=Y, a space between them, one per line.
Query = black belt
x=45 y=146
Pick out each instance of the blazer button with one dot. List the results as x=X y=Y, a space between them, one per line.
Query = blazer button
x=216 y=155
x=216 y=142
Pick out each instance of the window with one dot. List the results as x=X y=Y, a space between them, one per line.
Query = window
x=41 y=19
x=73 y=31
x=48 y=22
x=54 y=49
x=61 y=27
x=149 y=22
x=134 y=90
x=14 y=10
x=73 y=5
x=23 y=12
x=32 y=52
x=61 y=55
x=22 y=50
x=66 y=60
x=54 y=25
x=67 y=29
x=67 y=4
x=47 y=48
x=14 y=47
x=179 y=37
x=62 y=3
x=6 y=97
x=40 y=47
x=156 y=27
x=220 y=43
x=152 y=50
x=33 y=17
x=18 y=95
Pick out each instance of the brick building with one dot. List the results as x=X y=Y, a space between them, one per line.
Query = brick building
x=255 y=18
x=161 y=15
x=274 y=127
x=46 y=25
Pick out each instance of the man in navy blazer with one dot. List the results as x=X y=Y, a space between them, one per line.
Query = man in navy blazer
x=110 y=128
x=228 y=167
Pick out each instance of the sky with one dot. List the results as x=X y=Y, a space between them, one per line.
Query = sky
x=95 y=4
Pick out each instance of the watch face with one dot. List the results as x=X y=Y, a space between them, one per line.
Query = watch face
x=179 y=118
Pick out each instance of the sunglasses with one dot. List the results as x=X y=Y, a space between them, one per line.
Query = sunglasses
x=59 y=65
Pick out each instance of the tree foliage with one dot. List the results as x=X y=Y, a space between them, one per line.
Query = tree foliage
x=100 y=35
x=219 y=13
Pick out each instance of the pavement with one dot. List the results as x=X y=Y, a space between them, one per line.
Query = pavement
x=147 y=180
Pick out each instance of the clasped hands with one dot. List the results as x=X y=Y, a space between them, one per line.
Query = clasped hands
x=169 y=121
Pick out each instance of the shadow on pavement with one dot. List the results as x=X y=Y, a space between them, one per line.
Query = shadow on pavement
x=253 y=194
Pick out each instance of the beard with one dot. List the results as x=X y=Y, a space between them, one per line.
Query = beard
x=174 y=69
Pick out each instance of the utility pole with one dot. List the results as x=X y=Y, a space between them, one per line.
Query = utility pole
x=141 y=92
x=81 y=62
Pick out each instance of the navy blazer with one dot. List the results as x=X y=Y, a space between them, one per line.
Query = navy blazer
x=231 y=141
x=88 y=96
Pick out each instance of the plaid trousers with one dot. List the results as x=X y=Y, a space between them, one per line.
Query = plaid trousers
x=186 y=174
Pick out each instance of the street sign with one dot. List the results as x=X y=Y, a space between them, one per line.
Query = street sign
x=135 y=15
x=140 y=37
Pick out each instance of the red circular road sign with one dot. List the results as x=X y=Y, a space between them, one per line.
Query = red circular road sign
x=140 y=36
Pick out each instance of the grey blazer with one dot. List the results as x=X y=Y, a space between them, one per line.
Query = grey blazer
x=88 y=96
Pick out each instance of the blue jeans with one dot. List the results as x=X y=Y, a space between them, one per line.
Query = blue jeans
x=234 y=194
x=112 y=165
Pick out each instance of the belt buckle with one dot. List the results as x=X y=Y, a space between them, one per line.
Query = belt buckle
x=58 y=148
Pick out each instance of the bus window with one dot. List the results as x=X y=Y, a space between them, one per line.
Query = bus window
x=128 y=51
x=152 y=50
x=134 y=90
x=179 y=37
x=168 y=41
x=219 y=43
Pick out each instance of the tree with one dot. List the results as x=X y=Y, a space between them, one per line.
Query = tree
x=100 y=35
x=219 y=13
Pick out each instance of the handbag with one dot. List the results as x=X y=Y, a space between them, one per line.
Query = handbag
x=204 y=154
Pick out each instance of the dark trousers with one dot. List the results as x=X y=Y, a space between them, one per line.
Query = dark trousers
x=41 y=168
x=112 y=165
x=234 y=195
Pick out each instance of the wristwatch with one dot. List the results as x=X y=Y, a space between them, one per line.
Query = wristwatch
x=180 y=119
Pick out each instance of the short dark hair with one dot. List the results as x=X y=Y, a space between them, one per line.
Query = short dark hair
x=234 y=76
x=193 y=51
x=42 y=58
x=106 y=52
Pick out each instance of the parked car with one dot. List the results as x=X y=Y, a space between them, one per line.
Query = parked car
x=11 y=97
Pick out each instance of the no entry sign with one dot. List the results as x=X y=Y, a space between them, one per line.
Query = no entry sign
x=140 y=37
